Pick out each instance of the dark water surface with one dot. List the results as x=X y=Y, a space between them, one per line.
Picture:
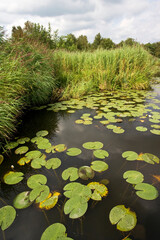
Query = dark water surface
x=31 y=222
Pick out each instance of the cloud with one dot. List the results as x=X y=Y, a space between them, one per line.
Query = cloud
x=116 y=19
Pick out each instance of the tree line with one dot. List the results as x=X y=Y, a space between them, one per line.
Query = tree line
x=36 y=32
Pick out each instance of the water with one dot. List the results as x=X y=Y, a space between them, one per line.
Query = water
x=31 y=222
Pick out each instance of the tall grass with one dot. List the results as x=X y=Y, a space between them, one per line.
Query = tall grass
x=82 y=72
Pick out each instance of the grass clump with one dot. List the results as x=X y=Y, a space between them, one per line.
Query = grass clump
x=79 y=73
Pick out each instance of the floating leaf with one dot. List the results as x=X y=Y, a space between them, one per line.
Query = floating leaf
x=133 y=177
x=60 y=147
x=21 y=150
x=155 y=131
x=53 y=163
x=23 y=140
x=1 y=158
x=22 y=200
x=73 y=151
x=86 y=172
x=100 y=190
x=146 y=191
x=125 y=219
x=99 y=166
x=70 y=173
x=50 y=202
x=38 y=162
x=56 y=231
x=75 y=207
x=141 y=129
x=118 y=130
x=104 y=181
x=155 y=126
x=93 y=145
x=77 y=189
x=11 y=145
x=13 y=177
x=100 y=153
x=36 y=181
x=39 y=193
x=130 y=155
x=7 y=216
x=150 y=158
x=33 y=154
x=22 y=161
x=42 y=133
x=79 y=121
x=50 y=149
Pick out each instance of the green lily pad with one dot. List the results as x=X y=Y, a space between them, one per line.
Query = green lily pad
x=22 y=200
x=99 y=190
x=42 y=133
x=125 y=219
x=133 y=177
x=87 y=122
x=12 y=178
x=93 y=145
x=53 y=163
x=21 y=150
x=50 y=149
x=150 y=158
x=130 y=155
x=56 y=231
x=1 y=158
x=7 y=216
x=77 y=189
x=11 y=145
x=99 y=166
x=75 y=208
x=73 y=151
x=110 y=126
x=86 y=172
x=36 y=181
x=37 y=163
x=33 y=154
x=100 y=153
x=141 y=129
x=70 y=173
x=50 y=202
x=118 y=130
x=155 y=131
x=22 y=161
x=39 y=193
x=155 y=126
x=23 y=140
x=60 y=147
x=146 y=191
x=79 y=121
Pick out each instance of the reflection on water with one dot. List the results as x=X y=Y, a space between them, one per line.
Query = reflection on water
x=31 y=222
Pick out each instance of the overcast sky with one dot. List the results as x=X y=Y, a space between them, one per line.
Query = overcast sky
x=115 y=19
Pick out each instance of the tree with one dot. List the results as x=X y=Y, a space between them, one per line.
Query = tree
x=107 y=43
x=2 y=32
x=82 y=42
x=97 y=41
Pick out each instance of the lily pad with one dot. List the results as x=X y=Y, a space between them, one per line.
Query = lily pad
x=23 y=140
x=118 y=130
x=37 y=163
x=150 y=158
x=86 y=172
x=33 y=154
x=36 y=181
x=50 y=202
x=100 y=153
x=75 y=207
x=130 y=155
x=133 y=177
x=7 y=216
x=73 y=151
x=79 y=121
x=12 y=178
x=56 y=231
x=99 y=166
x=21 y=150
x=125 y=219
x=1 y=158
x=39 y=193
x=42 y=133
x=22 y=200
x=22 y=161
x=93 y=145
x=70 y=173
x=99 y=190
x=141 y=129
x=11 y=145
x=77 y=189
x=146 y=191
x=60 y=147
x=155 y=131
x=53 y=163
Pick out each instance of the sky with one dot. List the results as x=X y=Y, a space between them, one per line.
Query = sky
x=115 y=19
